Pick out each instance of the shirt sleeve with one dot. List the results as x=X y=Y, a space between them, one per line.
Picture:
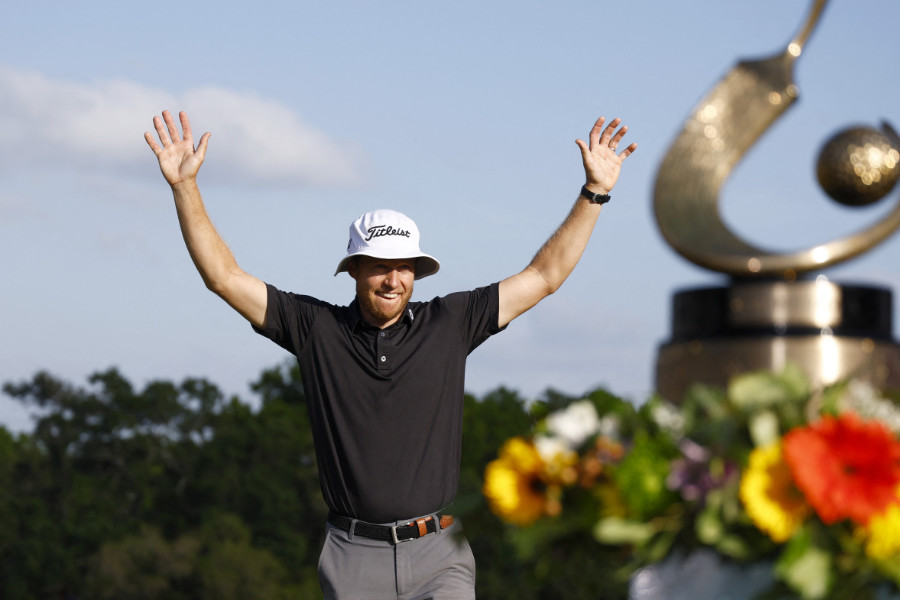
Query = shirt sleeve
x=479 y=311
x=289 y=318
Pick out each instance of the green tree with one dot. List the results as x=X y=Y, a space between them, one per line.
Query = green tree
x=215 y=562
x=261 y=466
x=174 y=491
x=109 y=463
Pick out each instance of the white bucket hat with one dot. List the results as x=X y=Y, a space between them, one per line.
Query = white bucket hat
x=387 y=234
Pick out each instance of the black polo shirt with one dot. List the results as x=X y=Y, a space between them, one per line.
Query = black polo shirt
x=385 y=405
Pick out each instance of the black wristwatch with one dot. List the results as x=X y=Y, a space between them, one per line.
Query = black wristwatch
x=594 y=198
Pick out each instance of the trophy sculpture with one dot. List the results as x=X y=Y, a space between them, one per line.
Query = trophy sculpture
x=775 y=309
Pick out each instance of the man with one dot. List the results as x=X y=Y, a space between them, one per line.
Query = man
x=384 y=376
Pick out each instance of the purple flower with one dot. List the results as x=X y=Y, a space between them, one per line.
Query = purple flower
x=697 y=471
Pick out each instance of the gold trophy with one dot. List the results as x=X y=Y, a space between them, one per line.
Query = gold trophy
x=778 y=308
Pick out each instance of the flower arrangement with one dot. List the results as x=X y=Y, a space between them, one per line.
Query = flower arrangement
x=767 y=471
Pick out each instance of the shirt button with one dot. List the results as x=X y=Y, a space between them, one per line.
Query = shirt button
x=382 y=334
x=383 y=358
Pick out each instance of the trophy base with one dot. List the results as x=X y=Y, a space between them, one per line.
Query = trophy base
x=833 y=332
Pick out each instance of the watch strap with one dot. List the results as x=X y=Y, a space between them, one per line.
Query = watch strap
x=594 y=198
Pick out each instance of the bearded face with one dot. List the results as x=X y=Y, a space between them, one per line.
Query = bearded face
x=383 y=287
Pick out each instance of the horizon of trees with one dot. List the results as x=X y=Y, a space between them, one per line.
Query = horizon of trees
x=175 y=491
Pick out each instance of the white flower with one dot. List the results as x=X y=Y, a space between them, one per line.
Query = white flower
x=667 y=417
x=551 y=448
x=863 y=399
x=575 y=424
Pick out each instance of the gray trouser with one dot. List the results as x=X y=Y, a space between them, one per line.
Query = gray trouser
x=438 y=566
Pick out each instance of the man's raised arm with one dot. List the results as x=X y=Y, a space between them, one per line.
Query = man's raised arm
x=179 y=162
x=558 y=256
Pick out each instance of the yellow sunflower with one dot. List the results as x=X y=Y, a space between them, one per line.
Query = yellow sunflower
x=884 y=533
x=773 y=502
x=513 y=483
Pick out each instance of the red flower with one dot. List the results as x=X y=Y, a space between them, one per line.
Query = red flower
x=846 y=467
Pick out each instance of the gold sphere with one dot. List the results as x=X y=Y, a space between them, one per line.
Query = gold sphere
x=860 y=165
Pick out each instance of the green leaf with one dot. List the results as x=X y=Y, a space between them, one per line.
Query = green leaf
x=757 y=389
x=795 y=381
x=890 y=568
x=734 y=546
x=761 y=389
x=764 y=428
x=832 y=395
x=659 y=547
x=806 y=568
x=710 y=528
x=641 y=476
x=615 y=530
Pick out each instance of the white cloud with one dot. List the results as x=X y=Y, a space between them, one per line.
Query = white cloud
x=54 y=124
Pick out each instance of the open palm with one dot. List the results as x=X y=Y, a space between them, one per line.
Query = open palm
x=179 y=161
x=601 y=162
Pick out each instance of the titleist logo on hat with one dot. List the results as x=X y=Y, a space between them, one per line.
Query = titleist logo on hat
x=380 y=230
x=390 y=235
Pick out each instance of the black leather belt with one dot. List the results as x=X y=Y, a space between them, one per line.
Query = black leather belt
x=391 y=533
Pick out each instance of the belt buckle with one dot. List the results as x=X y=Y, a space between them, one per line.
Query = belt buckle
x=394 y=534
x=422 y=529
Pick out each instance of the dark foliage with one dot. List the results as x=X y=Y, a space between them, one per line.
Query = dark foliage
x=176 y=492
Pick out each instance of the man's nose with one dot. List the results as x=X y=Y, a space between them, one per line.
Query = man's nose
x=392 y=278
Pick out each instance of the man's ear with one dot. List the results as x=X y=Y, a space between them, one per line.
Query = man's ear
x=352 y=266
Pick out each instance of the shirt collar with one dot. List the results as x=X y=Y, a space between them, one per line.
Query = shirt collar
x=356 y=320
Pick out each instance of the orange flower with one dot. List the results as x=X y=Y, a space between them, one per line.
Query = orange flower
x=846 y=467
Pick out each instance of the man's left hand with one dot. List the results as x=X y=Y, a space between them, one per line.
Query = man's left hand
x=601 y=163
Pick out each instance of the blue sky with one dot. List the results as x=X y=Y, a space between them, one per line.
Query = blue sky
x=462 y=115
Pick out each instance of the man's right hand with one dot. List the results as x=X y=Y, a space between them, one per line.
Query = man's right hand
x=179 y=161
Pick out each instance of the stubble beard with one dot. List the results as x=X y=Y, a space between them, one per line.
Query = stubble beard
x=369 y=302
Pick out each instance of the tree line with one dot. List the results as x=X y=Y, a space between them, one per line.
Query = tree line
x=177 y=492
